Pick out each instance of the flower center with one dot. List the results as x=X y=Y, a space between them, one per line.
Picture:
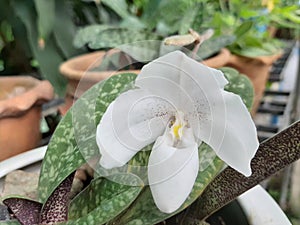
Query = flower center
x=177 y=125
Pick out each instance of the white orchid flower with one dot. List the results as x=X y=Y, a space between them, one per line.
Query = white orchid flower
x=178 y=103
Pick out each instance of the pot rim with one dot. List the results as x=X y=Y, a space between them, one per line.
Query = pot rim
x=36 y=93
x=71 y=68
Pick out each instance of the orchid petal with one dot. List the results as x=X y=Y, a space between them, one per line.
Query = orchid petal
x=172 y=171
x=238 y=143
x=182 y=76
x=134 y=120
x=187 y=84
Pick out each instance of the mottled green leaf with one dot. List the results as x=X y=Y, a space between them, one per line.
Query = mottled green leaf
x=61 y=159
x=144 y=211
x=113 y=37
x=46 y=17
x=103 y=200
x=73 y=142
x=239 y=84
x=89 y=109
x=10 y=222
x=88 y=34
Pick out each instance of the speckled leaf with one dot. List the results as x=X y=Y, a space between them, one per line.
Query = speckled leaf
x=113 y=37
x=10 y=222
x=88 y=33
x=240 y=85
x=56 y=207
x=103 y=200
x=73 y=142
x=26 y=211
x=272 y=156
x=89 y=109
x=144 y=211
x=62 y=158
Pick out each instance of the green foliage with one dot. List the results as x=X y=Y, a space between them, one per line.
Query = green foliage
x=213 y=45
x=144 y=211
x=44 y=31
x=49 y=68
x=46 y=17
x=71 y=139
x=102 y=36
x=10 y=222
x=240 y=85
x=104 y=200
x=118 y=6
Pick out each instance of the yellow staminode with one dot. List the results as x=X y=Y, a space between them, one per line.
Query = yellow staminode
x=178 y=125
x=176 y=131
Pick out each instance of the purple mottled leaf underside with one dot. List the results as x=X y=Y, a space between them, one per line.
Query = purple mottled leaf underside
x=56 y=207
x=55 y=210
x=26 y=211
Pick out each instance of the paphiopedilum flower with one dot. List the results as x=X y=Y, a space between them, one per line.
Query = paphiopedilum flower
x=177 y=103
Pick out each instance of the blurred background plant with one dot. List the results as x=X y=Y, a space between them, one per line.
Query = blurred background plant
x=38 y=35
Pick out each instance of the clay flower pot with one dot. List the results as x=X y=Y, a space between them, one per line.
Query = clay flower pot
x=20 y=113
x=219 y=60
x=257 y=69
x=81 y=76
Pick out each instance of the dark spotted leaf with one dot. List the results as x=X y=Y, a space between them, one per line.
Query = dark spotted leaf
x=272 y=156
x=56 y=207
x=26 y=211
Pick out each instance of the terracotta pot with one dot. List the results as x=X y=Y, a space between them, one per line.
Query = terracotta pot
x=219 y=60
x=80 y=75
x=257 y=69
x=20 y=113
